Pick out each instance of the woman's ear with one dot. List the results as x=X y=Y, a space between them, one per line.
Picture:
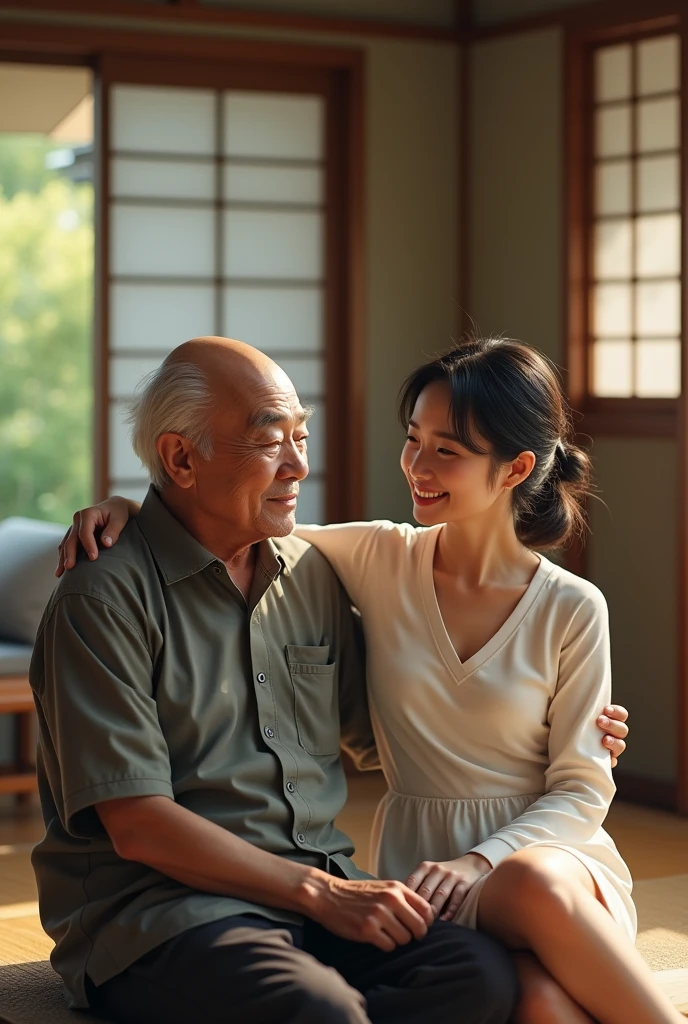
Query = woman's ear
x=519 y=470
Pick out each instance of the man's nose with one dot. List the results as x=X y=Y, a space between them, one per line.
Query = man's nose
x=295 y=465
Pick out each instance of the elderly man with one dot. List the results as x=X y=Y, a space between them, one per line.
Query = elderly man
x=192 y=687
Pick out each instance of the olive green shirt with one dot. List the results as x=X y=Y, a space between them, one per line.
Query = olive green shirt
x=153 y=676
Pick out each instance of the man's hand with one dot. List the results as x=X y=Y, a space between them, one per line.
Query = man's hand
x=106 y=520
x=612 y=722
x=157 y=831
x=445 y=884
x=386 y=914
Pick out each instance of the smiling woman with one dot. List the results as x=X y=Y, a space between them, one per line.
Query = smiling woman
x=487 y=665
x=484 y=382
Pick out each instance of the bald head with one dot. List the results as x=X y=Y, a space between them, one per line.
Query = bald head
x=233 y=369
x=222 y=421
x=213 y=354
x=241 y=379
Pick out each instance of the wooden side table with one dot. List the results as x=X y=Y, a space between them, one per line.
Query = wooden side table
x=16 y=699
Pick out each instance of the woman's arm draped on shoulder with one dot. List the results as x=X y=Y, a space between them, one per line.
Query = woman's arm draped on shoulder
x=579 y=786
x=350 y=549
x=107 y=519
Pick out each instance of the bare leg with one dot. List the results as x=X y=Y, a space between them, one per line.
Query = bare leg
x=543 y=1000
x=544 y=899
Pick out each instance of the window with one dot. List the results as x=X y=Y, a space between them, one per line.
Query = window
x=217 y=227
x=46 y=285
x=226 y=210
x=636 y=297
x=627 y=355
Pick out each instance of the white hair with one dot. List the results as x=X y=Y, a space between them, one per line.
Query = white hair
x=176 y=398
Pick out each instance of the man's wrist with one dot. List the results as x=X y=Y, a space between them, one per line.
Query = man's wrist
x=311 y=891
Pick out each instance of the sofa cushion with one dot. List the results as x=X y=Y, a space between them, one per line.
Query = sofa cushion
x=14 y=659
x=28 y=556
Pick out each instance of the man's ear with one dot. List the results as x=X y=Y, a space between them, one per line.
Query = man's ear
x=175 y=453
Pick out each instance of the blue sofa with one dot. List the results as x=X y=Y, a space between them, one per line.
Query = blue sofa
x=28 y=555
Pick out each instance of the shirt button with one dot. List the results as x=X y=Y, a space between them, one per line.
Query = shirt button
x=290 y=787
x=217 y=569
x=268 y=732
x=301 y=837
x=261 y=677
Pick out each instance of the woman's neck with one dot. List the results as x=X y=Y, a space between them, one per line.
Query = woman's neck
x=479 y=552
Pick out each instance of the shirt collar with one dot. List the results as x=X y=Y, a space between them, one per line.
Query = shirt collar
x=270 y=560
x=179 y=555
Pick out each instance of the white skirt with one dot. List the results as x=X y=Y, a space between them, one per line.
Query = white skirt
x=411 y=829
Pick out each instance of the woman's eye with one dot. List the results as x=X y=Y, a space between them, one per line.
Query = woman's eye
x=445 y=451
x=409 y=437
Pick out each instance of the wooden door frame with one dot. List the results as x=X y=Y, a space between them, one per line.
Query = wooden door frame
x=667 y=419
x=120 y=52
x=682 y=560
x=192 y=12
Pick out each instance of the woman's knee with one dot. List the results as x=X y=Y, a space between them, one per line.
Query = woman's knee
x=537 y=883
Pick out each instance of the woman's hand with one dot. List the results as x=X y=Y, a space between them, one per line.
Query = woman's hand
x=445 y=884
x=107 y=519
x=612 y=722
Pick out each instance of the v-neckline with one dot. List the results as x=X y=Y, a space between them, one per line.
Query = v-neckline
x=463 y=669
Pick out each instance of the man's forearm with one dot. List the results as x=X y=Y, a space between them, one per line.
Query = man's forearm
x=204 y=856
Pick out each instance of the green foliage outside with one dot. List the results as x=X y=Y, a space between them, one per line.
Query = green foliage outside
x=46 y=286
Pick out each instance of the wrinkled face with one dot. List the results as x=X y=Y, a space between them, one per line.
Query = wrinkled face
x=448 y=483
x=251 y=482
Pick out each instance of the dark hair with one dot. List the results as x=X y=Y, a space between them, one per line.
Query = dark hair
x=510 y=395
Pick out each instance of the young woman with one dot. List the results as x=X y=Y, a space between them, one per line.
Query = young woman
x=487 y=664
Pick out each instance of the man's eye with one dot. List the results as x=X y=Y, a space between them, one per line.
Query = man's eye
x=301 y=441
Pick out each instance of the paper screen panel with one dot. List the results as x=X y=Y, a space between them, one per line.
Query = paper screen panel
x=272 y=244
x=150 y=119
x=163 y=179
x=158 y=317
x=162 y=241
x=273 y=125
x=255 y=183
x=278 y=319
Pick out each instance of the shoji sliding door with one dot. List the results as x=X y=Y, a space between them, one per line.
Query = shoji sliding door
x=220 y=218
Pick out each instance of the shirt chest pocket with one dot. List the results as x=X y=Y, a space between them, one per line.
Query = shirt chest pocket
x=316 y=704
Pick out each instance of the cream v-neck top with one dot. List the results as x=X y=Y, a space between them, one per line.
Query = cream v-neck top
x=495 y=753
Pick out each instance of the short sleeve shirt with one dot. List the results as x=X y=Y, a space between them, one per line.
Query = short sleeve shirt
x=152 y=675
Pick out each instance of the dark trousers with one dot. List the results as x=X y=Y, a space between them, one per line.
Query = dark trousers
x=248 y=970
